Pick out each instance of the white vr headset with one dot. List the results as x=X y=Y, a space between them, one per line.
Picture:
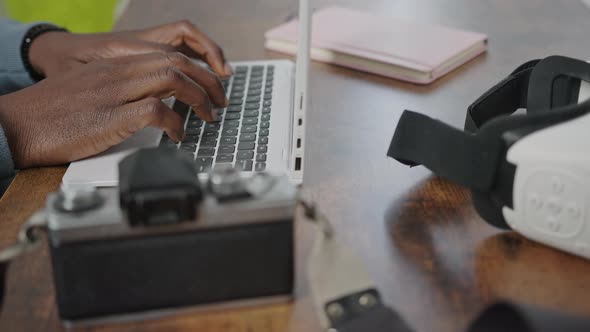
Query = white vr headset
x=528 y=172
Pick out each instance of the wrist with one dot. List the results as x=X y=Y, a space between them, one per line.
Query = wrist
x=39 y=48
x=43 y=51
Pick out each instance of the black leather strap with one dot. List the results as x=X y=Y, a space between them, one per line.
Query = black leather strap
x=451 y=153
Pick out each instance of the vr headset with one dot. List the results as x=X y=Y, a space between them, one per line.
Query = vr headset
x=527 y=172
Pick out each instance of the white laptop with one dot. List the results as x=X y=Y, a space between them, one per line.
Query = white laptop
x=263 y=128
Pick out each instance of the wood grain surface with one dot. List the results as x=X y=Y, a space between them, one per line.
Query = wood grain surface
x=432 y=257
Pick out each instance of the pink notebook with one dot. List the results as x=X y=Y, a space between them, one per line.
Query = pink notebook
x=415 y=52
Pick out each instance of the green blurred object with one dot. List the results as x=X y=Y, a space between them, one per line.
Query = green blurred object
x=75 y=15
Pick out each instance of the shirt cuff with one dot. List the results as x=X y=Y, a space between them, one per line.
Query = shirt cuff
x=13 y=72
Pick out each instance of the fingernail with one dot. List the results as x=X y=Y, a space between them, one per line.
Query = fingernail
x=228 y=69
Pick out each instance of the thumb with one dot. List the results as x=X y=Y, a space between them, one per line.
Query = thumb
x=150 y=112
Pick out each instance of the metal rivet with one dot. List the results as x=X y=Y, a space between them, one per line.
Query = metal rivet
x=367 y=300
x=335 y=310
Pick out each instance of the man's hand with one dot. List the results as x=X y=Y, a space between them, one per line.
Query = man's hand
x=56 y=52
x=93 y=107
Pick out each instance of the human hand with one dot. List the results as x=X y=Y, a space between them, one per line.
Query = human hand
x=93 y=107
x=56 y=52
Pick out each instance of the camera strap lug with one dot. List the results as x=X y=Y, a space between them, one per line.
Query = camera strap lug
x=345 y=297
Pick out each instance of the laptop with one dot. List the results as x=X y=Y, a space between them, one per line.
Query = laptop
x=263 y=128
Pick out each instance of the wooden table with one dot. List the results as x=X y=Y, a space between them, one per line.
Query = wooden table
x=431 y=255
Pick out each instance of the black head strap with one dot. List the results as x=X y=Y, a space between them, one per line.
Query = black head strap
x=502 y=99
x=471 y=157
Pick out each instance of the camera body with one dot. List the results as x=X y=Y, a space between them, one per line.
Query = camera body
x=232 y=245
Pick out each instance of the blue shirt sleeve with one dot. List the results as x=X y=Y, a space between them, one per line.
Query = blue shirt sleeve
x=7 y=171
x=13 y=76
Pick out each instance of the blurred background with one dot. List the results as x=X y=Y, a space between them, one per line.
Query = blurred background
x=75 y=15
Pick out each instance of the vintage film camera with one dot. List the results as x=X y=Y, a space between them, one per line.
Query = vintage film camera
x=163 y=240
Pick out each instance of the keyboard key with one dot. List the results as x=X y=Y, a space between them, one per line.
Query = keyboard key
x=263 y=140
x=261 y=157
x=254 y=92
x=240 y=80
x=256 y=79
x=268 y=96
x=188 y=145
x=270 y=68
x=253 y=99
x=250 y=121
x=257 y=68
x=212 y=126
x=226 y=149
x=194 y=139
x=224 y=158
x=220 y=111
x=236 y=101
x=194 y=123
x=252 y=106
x=247 y=137
x=188 y=148
x=266 y=103
x=267 y=90
x=264 y=124
x=229 y=132
x=222 y=166
x=241 y=69
x=244 y=165
x=263 y=132
x=232 y=116
x=203 y=164
x=233 y=109
x=192 y=131
x=231 y=124
x=265 y=110
x=246 y=146
x=260 y=167
x=262 y=149
x=265 y=117
x=218 y=119
x=250 y=114
x=187 y=154
x=227 y=141
x=209 y=142
x=249 y=129
x=237 y=95
x=210 y=134
x=256 y=85
x=180 y=108
x=238 y=87
x=245 y=154
x=206 y=152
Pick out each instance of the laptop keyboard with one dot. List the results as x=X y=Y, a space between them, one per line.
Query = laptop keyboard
x=239 y=136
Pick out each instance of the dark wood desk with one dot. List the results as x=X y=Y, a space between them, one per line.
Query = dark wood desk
x=432 y=257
